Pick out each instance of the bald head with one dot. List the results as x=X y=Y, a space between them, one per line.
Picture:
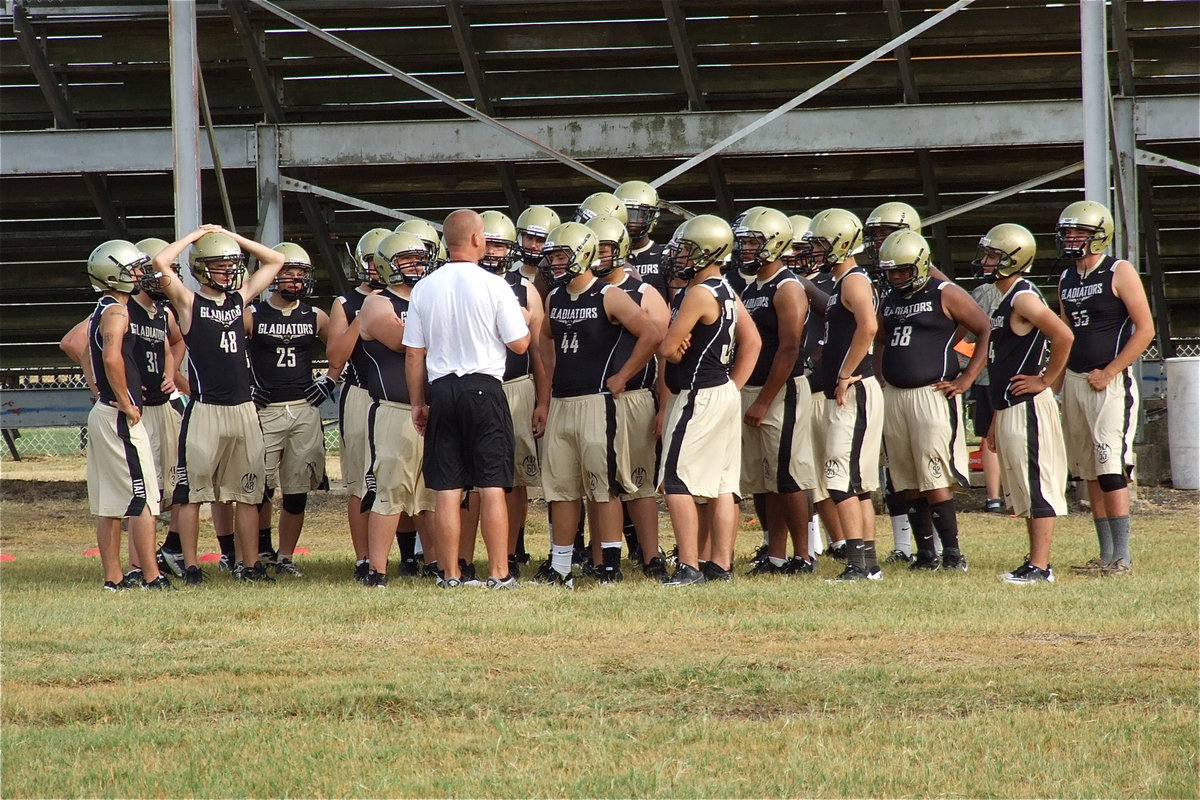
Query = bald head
x=463 y=233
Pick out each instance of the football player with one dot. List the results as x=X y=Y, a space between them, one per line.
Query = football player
x=711 y=346
x=1104 y=303
x=282 y=332
x=345 y=353
x=1026 y=433
x=637 y=405
x=853 y=400
x=220 y=444
x=777 y=461
x=532 y=226
x=394 y=492
x=121 y=480
x=584 y=323
x=923 y=432
x=642 y=212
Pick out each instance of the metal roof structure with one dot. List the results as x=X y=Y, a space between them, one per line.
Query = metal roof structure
x=330 y=118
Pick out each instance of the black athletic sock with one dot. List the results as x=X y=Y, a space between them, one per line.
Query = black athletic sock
x=945 y=521
x=855 y=554
x=172 y=543
x=521 y=541
x=407 y=542
x=922 y=526
x=870 y=561
x=264 y=540
x=612 y=557
x=225 y=542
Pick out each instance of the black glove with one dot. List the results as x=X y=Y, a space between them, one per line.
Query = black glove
x=320 y=391
x=260 y=396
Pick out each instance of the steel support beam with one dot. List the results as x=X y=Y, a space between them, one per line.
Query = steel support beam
x=657 y=136
x=303 y=187
x=1122 y=114
x=929 y=184
x=1158 y=292
x=677 y=24
x=270 y=218
x=1155 y=160
x=64 y=117
x=804 y=97
x=1094 y=54
x=460 y=27
x=185 y=116
x=1009 y=192
x=420 y=85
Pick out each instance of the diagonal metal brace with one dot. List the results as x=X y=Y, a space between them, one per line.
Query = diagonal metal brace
x=303 y=187
x=804 y=97
x=1003 y=193
x=416 y=83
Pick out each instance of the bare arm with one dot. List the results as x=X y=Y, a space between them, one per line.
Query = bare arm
x=791 y=307
x=1032 y=309
x=378 y=322
x=417 y=374
x=341 y=338
x=963 y=309
x=620 y=307
x=695 y=305
x=859 y=297
x=269 y=263
x=114 y=324
x=172 y=285
x=549 y=357
x=323 y=334
x=178 y=350
x=536 y=365
x=1128 y=287
x=75 y=345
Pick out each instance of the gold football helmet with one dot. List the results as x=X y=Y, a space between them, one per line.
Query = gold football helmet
x=791 y=257
x=532 y=226
x=151 y=282
x=300 y=286
x=364 y=256
x=762 y=236
x=641 y=204
x=401 y=258
x=117 y=266
x=501 y=237
x=601 y=204
x=218 y=253
x=833 y=236
x=570 y=249
x=426 y=233
x=611 y=232
x=1005 y=250
x=698 y=243
x=904 y=260
x=885 y=220
x=1089 y=217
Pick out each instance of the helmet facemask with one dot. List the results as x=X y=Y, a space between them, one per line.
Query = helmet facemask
x=559 y=258
x=408 y=268
x=500 y=256
x=1076 y=247
x=531 y=242
x=293 y=287
x=233 y=269
x=642 y=219
x=608 y=258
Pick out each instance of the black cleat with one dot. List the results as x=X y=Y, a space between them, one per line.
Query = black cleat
x=409 y=568
x=765 y=567
x=686 y=575
x=514 y=566
x=850 y=573
x=797 y=565
x=160 y=584
x=285 y=566
x=361 y=568
x=545 y=573
x=375 y=580
x=193 y=575
x=714 y=573
x=898 y=557
x=509 y=581
x=925 y=561
x=656 y=570
x=954 y=562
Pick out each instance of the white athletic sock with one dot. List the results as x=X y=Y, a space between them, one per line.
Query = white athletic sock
x=816 y=542
x=560 y=558
x=777 y=562
x=902 y=534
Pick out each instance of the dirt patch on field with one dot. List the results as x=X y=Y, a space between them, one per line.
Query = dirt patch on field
x=26 y=491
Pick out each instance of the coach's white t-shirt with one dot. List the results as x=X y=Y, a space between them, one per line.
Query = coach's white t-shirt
x=463 y=316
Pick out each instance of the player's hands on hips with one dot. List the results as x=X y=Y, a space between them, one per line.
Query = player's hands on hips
x=1028 y=384
x=952 y=388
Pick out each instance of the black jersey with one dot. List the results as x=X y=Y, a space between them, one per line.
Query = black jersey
x=149 y=332
x=355 y=370
x=386 y=378
x=646 y=377
x=1010 y=354
x=814 y=335
x=738 y=281
x=1098 y=317
x=709 y=357
x=918 y=345
x=648 y=265
x=759 y=299
x=517 y=365
x=133 y=378
x=218 y=367
x=585 y=340
x=281 y=350
x=840 y=327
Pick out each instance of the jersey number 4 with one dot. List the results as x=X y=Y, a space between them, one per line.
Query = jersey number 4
x=570 y=342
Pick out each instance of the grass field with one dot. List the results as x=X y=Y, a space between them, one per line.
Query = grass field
x=921 y=685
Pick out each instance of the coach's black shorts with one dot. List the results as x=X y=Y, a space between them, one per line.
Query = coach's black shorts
x=983 y=409
x=469 y=441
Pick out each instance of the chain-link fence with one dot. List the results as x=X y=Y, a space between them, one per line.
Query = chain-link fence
x=72 y=440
